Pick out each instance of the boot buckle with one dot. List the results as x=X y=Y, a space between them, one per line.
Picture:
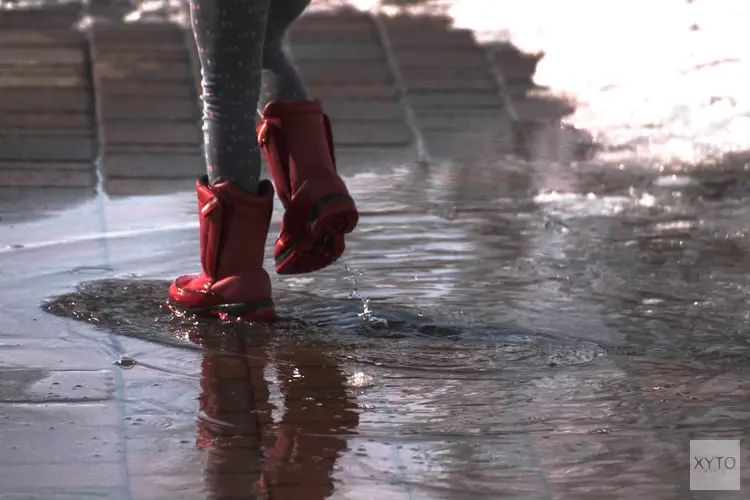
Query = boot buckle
x=262 y=133
x=209 y=206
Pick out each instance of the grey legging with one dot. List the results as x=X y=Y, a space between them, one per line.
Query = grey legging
x=244 y=67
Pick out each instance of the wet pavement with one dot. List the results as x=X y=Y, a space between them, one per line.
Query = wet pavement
x=514 y=317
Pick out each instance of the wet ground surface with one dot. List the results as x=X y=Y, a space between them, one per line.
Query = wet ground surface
x=505 y=324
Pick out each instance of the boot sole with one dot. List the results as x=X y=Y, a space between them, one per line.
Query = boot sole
x=330 y=220
x=257 y=311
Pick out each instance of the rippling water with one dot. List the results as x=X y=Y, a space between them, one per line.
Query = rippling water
x=480 y=338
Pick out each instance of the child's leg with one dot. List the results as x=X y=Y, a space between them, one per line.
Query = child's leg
x=230 y=35
x=281 y=80
x=297 y=139
x=234 y=208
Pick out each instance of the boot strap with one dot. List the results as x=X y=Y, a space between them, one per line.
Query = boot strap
x=267 y=126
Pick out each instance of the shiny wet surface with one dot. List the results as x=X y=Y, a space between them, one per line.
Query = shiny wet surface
x=553 y=329
x=497 y=331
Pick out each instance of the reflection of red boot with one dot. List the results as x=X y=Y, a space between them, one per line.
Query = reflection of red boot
x=297 y=140
x=233 y=229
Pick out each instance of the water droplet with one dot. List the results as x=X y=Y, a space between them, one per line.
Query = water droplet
x=126 y=363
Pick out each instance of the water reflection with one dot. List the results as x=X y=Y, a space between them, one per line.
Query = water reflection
x=248 y=453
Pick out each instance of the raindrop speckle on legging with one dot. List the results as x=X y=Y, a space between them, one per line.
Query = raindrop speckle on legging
x=244 y=67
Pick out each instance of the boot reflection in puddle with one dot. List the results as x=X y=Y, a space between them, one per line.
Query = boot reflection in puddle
x=250 y=456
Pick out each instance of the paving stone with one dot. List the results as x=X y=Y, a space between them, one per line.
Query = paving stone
x=446 y=72
x=42 y=386
x=162 y=166
x=332 y=22
x=146 y=186
x=48 y=132
x=61 y=100
x=38 y=79
x=114 y=108
x=50 y=17
x=156 y=150
x=472 y=145
x=446 y=59
x=41 y=121
x=68 y=494
x=468 y=123
x=172 y=487
x=41 y=37
x=138 y=33
x=46 y=148
x=129 y=57
x=42 y=56
x=354 y=92
x=30 y=444
x=46 y=177
x=73 y=415
x=157 y=50
x=364 y=158
x=453 y=84
x=150 y=132
x=482 y=114
x=332 y=73
x=46 y=165
x=335 y=51
x=542 y=110
x=61 y=476
x=436 y=100
x=434 y=41
x=409 y=23
x=348 y=133
x=367 y=111
x=364 y=35
x=143 y=70
x=124 y=88
x=515 y=64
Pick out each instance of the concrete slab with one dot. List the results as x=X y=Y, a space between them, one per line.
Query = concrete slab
x=142 y=69
x=160 y=166
x=338 y=51
x=326 y=72
x=43 y=148
x=113 y=109
x=36 y=122
x=355 y=133
x=42 y=56
x=61 y=100
x=40 y=175
x=150 y=132
x=353 y=92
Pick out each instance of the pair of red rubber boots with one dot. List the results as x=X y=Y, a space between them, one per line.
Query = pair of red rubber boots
x=296 y=138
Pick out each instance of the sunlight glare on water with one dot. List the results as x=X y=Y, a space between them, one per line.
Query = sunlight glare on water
x=665 y=80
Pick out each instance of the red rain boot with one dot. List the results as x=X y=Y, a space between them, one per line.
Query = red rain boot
x=296 y=138
x=233 y=229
